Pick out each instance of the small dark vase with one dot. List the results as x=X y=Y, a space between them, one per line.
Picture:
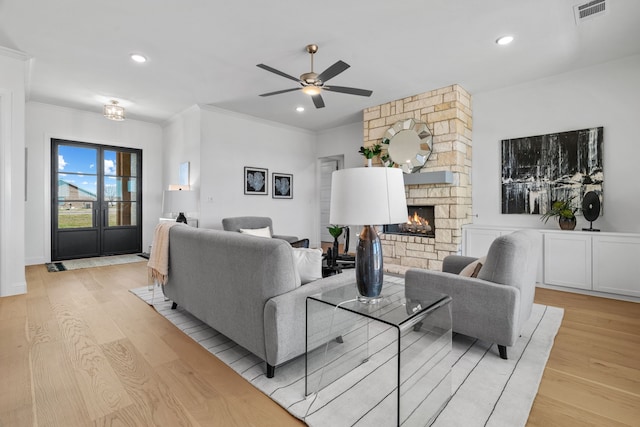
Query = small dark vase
x=567 y=223
x=334 y=254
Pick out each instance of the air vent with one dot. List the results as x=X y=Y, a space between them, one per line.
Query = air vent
x=589 y=10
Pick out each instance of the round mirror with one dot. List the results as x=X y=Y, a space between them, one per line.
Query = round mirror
x=409 y=144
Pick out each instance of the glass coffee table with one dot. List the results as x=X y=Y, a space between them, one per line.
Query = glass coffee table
x=390 y=357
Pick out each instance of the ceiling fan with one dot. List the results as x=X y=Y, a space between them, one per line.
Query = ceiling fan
x=313 y=84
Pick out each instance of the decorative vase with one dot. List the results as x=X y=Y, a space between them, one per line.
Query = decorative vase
x=334 y=254
x=567 y=223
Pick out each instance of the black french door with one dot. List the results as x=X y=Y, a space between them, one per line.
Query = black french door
x=96 y=200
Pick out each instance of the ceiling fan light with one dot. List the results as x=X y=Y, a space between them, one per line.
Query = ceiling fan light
x=311 y=90
x=114 y=112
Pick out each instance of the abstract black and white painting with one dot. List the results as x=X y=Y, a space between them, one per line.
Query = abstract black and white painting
x=538 y=170
x=255 y=180
x=282 y=186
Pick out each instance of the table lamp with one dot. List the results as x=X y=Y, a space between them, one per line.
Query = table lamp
x=368 y=196
x=180 y=201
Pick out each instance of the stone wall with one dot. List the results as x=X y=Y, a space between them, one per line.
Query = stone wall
x=447 y=111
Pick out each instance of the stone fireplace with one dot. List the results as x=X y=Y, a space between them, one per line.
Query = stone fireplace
x=444 y=182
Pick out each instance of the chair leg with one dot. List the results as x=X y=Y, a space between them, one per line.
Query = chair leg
x=503 y=351
x=271 y=371
x=174 y=306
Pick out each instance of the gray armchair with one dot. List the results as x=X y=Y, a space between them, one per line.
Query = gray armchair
x=248 y=222
x=494 y=306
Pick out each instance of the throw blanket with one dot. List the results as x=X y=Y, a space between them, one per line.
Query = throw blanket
x=159 y=257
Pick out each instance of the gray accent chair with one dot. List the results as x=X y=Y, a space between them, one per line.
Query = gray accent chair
x=249 y=222
x=494 y=306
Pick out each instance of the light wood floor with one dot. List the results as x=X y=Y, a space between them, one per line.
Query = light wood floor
x=79 y=350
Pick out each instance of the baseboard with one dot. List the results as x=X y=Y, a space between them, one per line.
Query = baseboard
x=17 y=288
x=35 y=261
x=590 y=293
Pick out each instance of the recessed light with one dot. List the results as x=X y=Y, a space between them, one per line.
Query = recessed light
x=504 y=40
x=138 y=58
x=299 y=109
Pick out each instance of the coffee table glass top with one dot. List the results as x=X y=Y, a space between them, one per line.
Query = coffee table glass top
x=393 y=308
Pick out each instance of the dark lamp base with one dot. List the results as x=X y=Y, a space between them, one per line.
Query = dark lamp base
x=369 y=271
x=181 y=218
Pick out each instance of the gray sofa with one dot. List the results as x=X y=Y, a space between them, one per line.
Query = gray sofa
x=248 y=222
x=245 y=287
x=495 y=305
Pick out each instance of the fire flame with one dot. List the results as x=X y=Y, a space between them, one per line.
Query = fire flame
x=416 y=220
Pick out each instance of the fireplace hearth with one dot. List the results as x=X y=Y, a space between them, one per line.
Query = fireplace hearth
x=420 y=222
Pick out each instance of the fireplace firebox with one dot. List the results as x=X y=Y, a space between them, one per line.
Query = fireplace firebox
x=420 y=221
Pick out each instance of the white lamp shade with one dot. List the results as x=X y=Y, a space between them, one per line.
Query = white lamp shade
x=368 y=196
x=179 y=201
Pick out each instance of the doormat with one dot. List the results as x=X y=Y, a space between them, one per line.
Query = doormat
x=103 y=261
x=53 y=267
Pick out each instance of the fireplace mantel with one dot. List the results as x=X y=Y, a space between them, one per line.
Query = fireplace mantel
x=438 y=177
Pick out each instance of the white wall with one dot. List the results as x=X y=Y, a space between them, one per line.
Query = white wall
x=232 y=141
x=344 y=140
x=43 y=122
x=603 y=95
x=12 y=206
x=181 y=142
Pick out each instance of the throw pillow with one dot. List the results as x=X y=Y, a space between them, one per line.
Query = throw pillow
x=308 y=263
x=260 y=232
x=472 y=270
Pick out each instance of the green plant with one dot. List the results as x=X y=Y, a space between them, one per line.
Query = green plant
x=371 y=152
x=562 y=208
x=335 y=231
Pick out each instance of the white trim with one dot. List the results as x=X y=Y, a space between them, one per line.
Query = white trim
x=12 y=53
x=6 y=287
x=5 y=126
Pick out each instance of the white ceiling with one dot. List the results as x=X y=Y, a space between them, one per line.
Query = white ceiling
x=205 y=52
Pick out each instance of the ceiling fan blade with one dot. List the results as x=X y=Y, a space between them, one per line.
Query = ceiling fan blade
x=280 y=91
x=349 y=90
x=318 y=101
x=278 y=72
x=333 y=71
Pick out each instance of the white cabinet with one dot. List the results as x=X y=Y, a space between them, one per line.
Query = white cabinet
x=616 y=264
x=567 y=260
x=477 y=241
x=592 y=262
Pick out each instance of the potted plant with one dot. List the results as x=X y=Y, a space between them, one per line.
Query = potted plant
x=565 y=211
x=370 y=152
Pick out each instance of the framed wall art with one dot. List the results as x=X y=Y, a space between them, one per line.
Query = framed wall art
x=282 y=186
x=255 y=180
x=538 y=170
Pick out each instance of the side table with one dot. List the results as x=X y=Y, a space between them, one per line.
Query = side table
x=397 y=350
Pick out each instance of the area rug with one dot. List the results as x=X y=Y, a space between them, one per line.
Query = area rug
x=486 y=390
x=76 y=264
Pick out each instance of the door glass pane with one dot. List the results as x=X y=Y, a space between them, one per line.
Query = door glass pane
x=120 y=163
x=119 y=189
x=75 y=215
x=122 y=213
x=76 y=187
x=72 y=159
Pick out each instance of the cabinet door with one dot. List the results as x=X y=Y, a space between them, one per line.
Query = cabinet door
x=567 y=260
x=616 y=264
x=477 y=241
